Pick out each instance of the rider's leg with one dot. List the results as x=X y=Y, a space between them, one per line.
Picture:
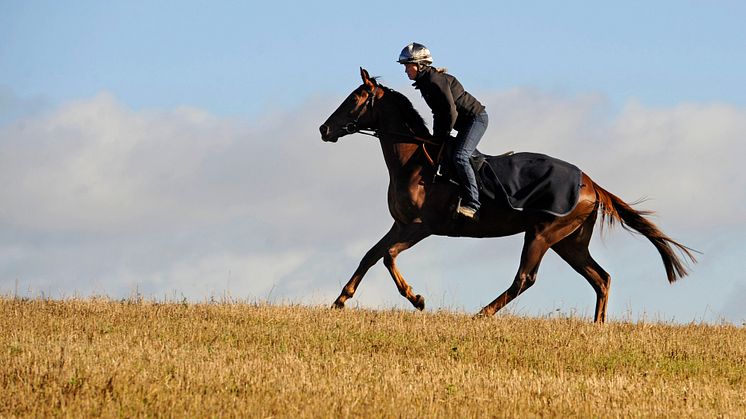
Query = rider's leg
x=464 y=146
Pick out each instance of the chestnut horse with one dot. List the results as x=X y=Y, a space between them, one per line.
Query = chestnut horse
x=421 y=208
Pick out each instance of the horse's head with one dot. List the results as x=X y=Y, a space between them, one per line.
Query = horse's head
x=355 y=113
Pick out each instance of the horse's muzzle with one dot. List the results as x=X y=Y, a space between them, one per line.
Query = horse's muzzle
x=326 y=134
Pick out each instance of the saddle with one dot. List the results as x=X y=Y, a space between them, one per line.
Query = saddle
x=524 y=181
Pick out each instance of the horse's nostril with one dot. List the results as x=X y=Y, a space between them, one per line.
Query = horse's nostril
x=324 y=130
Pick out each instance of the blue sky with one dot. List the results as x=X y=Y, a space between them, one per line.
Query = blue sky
x=240 y=57
x=138 y=144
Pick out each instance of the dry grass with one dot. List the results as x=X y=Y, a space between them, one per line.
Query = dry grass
x=135 y=358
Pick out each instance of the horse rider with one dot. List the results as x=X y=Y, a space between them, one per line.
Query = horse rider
x=452 y=108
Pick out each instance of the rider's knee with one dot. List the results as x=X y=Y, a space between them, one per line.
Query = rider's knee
x=461 y=157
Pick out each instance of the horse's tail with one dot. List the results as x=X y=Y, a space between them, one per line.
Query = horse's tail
x=613 y=209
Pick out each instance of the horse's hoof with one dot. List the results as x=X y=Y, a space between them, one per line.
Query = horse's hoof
x=481 y=315
x=419 y=302
x=338 y=305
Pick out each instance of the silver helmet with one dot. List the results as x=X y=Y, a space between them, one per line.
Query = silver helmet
x=415 y=53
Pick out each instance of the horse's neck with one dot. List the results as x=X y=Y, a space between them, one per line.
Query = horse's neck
x=401 y=157
x=406 y=163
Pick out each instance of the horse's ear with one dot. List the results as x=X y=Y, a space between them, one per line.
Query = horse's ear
x=367 y=79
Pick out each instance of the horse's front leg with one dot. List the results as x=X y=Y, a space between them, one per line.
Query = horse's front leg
x=410 y=235
x=399 y=238
x=371 y=257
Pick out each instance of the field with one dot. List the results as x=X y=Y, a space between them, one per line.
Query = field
x=94 y=357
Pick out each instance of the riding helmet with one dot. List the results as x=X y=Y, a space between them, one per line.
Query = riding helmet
x=415 y=53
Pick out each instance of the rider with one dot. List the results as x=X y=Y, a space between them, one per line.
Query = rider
x=453 y=108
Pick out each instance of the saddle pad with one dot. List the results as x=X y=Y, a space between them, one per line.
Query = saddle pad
x=532 y=182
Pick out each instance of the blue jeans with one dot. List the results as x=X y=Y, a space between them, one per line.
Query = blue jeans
x=464 y=146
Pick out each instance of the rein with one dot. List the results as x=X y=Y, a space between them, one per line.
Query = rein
x=377 y=133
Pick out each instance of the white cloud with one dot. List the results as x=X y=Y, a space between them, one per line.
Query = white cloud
x=685 y=159
x=689 y=157
x=96 y=165
x=94 y=191
x=99 y=198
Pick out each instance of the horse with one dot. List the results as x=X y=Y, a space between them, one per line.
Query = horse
x=421 y=207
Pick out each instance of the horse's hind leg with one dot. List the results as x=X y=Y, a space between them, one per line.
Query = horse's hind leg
x=534 y=249
x=574 y=250
x=580 y=259
x=399 y=238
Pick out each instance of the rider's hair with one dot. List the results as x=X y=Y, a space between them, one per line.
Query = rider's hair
x=423 y=67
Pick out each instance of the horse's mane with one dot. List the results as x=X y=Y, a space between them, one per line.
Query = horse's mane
x=412 y=118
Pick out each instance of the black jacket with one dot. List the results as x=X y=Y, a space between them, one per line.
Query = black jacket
x=452 y=106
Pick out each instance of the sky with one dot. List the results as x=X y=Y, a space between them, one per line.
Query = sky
x=170 y=149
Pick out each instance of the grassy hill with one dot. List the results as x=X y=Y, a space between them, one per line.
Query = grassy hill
x=123 y=358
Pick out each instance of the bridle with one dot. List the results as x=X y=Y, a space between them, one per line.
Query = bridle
x=353 y=128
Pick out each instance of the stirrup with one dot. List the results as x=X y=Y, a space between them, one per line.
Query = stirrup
x=465 y=211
